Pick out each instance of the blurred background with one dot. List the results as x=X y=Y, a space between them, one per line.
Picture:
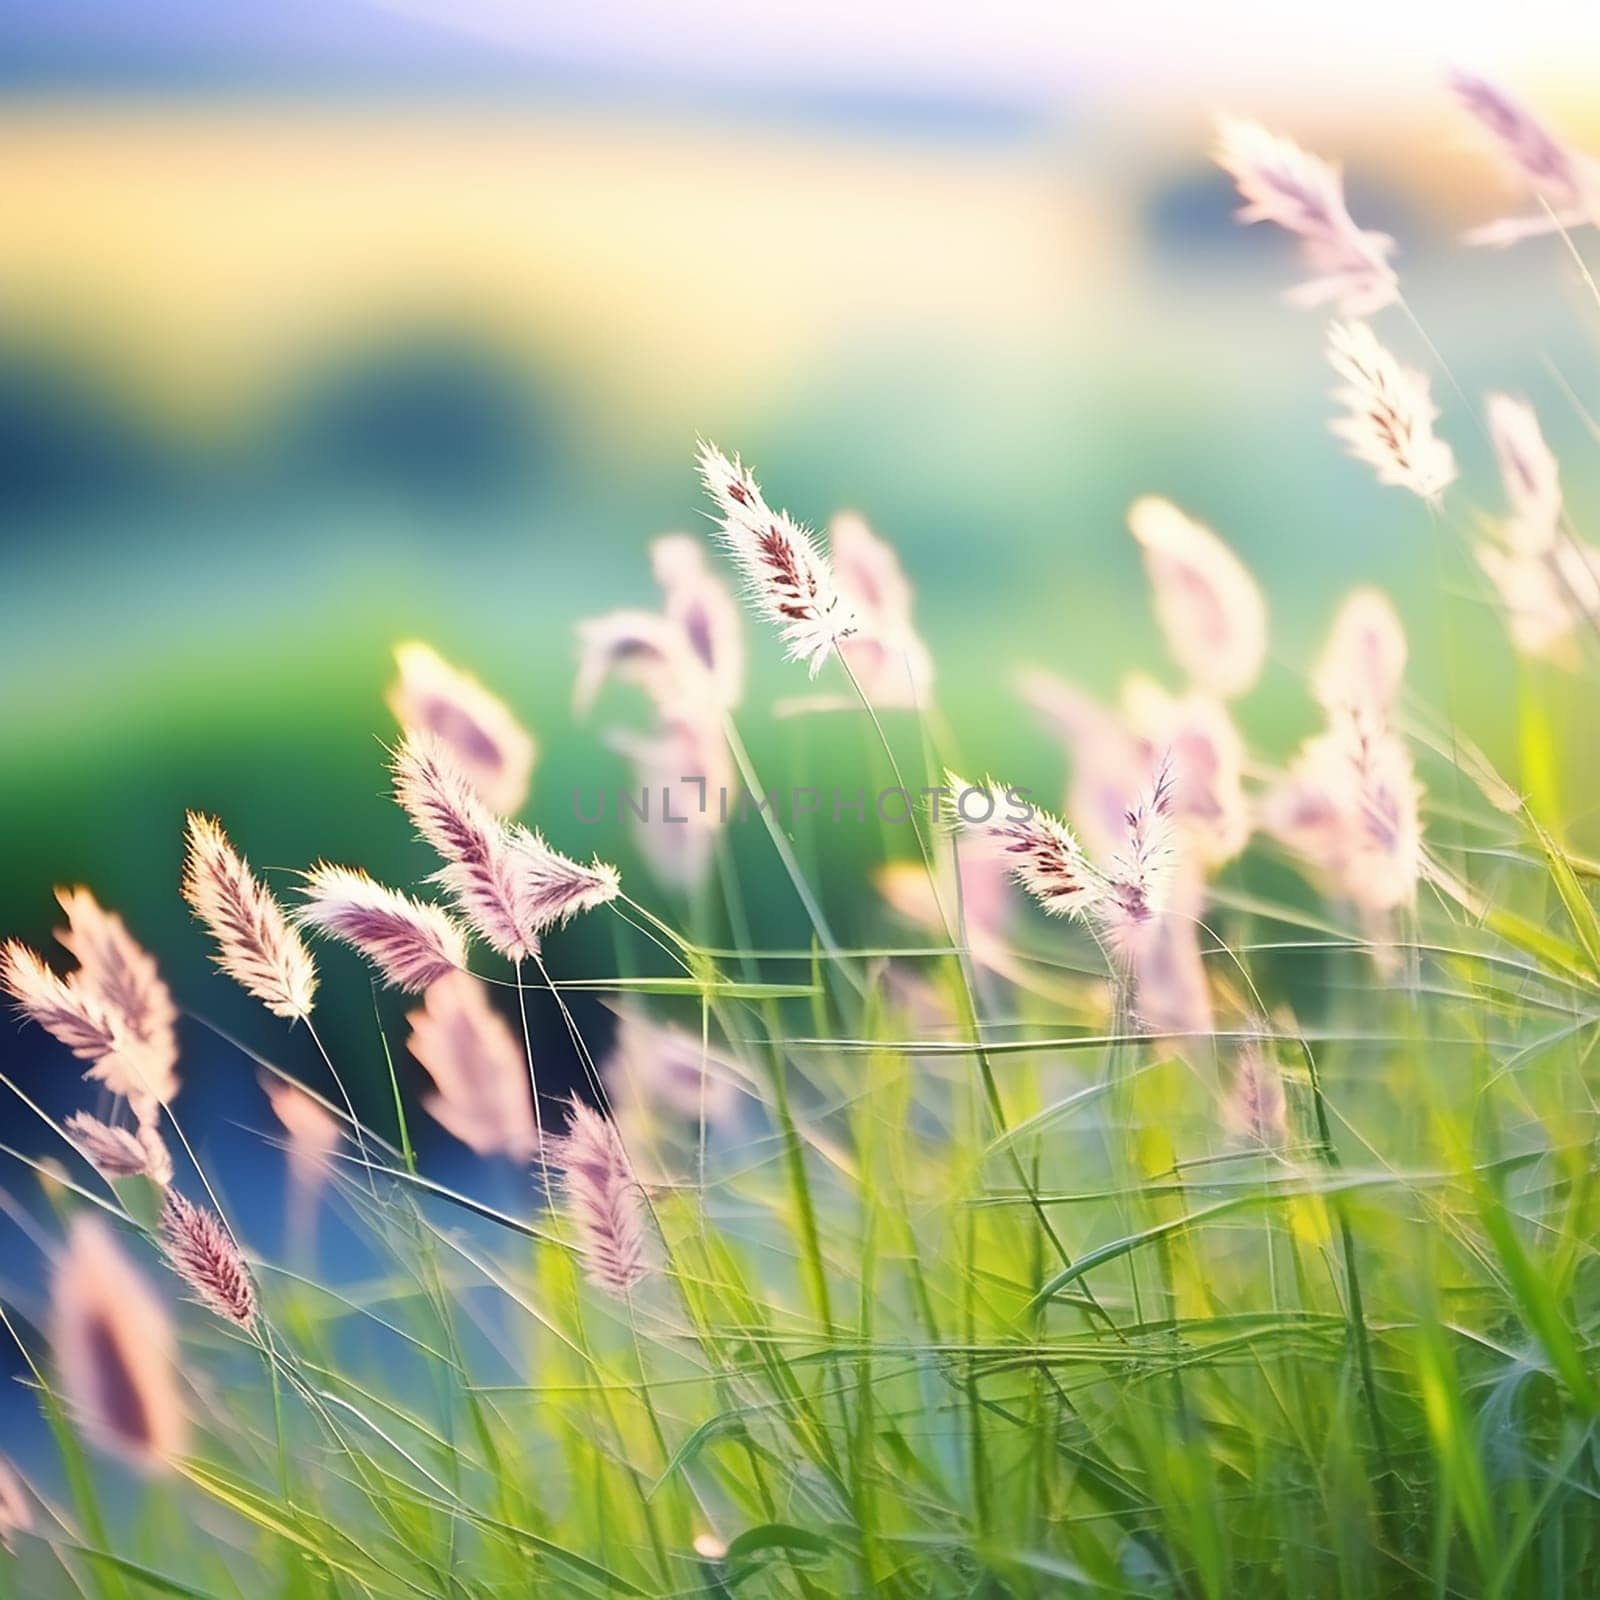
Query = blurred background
x=325 y=326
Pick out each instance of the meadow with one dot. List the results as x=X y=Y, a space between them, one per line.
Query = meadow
x=1189 y=1190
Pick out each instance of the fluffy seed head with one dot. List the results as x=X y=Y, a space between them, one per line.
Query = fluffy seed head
x=603 y=1200
x=1529 y=473
x=1549 y=167
x=1545 y=597
x=256 y=946
x=1255 y=1108
x=119 y=1152
x=1283 y=184
x=410 y=942
x=553 y=888
x=685 y=776
x=492 y=749
x=1207 y=755
x=1364 y=661
x=1039 y=850
x=1350 y=807
x=656 y=1069
x=64 y=1009
x=1386 y=860
x=1209 y=607
x=114 y=1349
x=698 y=601
x=202 y=1252
x=314 y=1132
x=16 y=1516
x=891 y=663
x=1110 y=760
x=786 y=577
x=117 y=970
x=479 y=870
x=480 y=1076
x=1390 y=425
x=645 y=648
x=1139 y=875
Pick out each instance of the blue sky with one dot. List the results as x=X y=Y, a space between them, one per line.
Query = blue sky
x=1009 y=51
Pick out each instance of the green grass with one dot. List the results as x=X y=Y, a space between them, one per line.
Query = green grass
x=908 y=1336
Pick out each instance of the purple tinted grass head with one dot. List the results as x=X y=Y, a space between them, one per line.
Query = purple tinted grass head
x=699 y=604
x=313 y=1131
x=1303 y=194
x=115 y=1351
x=256 y=946
x=551 y=887
x=1040 y=851
x=1203 y=743
x=603 y=1200
x=1351 y=803
x=1209 y=607
x=887 y=655
x=1546 y=597
x=74 y=1011
x=492 y=749
x=682 y=763
x=119 y=1152
x=410 y=942
x=65 y=1010
x=1556 y=173
x=16 y=1515
x=113 y=966
x=1529 y=474
x=479 y=1072
x=1391 y=414
x=786 y=577
x=202 y=1252
x=479 y=871
x=659 y=1069
x=1363 y=664
x=1139 y=875
x=641 y=647
x=1255 y=1108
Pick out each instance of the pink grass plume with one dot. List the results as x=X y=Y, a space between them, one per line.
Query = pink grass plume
x=203 y=1253
x=256 y=945
x=410 y=942
x=1364 y=661
x=479 y=1072
x=603 y=1200
x=494 y=751
x=1255 y=1109
x=1391 y=414
x=786 y=577
x=121 y=1152
x=479 y=872
x=698 y=603
x=1557 y=175
x=1040 y=851
x=1303 y=194
x=16 y=1515
x=113 y=966
x=115 y=1351
x=1529 y=475
x=67 y=1011
x=1209 y=607
x=887 y=655
x=314 y=1132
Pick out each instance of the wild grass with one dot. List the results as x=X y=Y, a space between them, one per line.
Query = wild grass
x=1192 y=1243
